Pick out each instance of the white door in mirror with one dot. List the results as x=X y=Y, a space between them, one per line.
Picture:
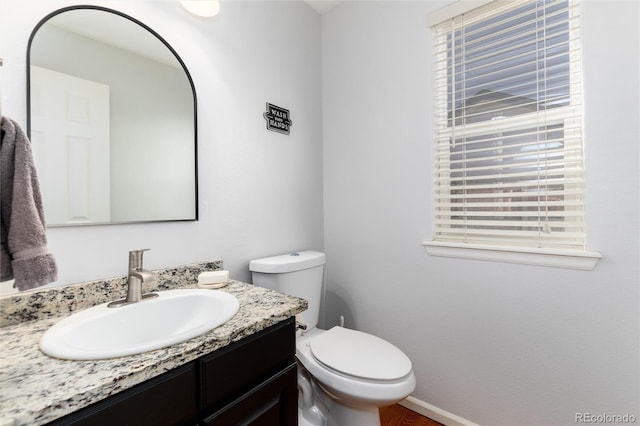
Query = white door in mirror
x=175 y=316
x=70 y=137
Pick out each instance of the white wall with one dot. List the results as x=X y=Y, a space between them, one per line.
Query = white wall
x=260 y=191
x=495 y=343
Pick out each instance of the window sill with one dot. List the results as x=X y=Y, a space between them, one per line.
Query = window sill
x=570 y=259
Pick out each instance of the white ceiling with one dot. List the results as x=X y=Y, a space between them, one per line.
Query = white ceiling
x=323 y=6
x=118 y=31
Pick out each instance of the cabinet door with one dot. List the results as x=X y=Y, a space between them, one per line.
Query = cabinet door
x=169 y=399
x=272 y=403
x=233 y=371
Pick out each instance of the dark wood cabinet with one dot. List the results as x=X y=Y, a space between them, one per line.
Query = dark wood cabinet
x=250 y=382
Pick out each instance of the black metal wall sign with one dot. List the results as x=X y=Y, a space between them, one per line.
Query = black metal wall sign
x=277 y=119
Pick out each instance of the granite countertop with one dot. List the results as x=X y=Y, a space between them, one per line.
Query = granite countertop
x=36 y=389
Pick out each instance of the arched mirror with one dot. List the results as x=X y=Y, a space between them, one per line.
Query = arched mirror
x=112 y=120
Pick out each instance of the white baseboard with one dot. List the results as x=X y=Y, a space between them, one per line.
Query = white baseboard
x=434 y=413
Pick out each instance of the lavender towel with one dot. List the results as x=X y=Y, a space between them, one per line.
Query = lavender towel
x=24 y=255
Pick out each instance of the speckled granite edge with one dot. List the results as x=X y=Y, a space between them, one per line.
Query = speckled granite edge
x=55 y=301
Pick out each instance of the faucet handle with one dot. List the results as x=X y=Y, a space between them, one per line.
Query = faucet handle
x=135 y=258
x=139 y=251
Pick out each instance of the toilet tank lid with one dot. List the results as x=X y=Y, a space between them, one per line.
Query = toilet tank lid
x=290 y=262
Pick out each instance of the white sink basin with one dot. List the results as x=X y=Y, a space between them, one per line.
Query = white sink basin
x=174 y=316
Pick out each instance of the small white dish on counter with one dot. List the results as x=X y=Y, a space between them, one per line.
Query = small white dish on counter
x=213 y=286
x=213 y=279
x=102 y=332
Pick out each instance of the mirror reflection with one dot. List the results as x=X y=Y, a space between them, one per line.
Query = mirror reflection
x=112 y=121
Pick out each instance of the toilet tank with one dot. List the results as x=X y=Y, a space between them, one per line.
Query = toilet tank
x=297 y=274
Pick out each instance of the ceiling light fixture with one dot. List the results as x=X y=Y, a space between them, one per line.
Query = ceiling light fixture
x=204 y=8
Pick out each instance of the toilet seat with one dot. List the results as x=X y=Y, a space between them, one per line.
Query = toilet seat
x=346 y=386
x=359 y=355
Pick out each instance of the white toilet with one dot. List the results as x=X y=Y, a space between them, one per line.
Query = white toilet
x=344 y=375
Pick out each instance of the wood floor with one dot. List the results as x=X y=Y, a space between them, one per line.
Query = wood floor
x=397 y=415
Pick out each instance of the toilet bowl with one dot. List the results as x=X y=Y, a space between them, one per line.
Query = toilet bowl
x=344 y=375
x=355 y=372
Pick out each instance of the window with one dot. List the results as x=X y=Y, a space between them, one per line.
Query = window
x=509 y=138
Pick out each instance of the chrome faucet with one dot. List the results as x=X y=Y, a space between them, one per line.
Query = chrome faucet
x=135 y=278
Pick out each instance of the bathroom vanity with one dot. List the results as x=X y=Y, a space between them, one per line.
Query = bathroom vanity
x=243 y=371
x=253 y=379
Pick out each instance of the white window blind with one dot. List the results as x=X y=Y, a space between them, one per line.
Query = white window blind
x=509 y=126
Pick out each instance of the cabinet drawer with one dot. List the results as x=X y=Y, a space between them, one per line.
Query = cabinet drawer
x=233 y=371
x=273 y=403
